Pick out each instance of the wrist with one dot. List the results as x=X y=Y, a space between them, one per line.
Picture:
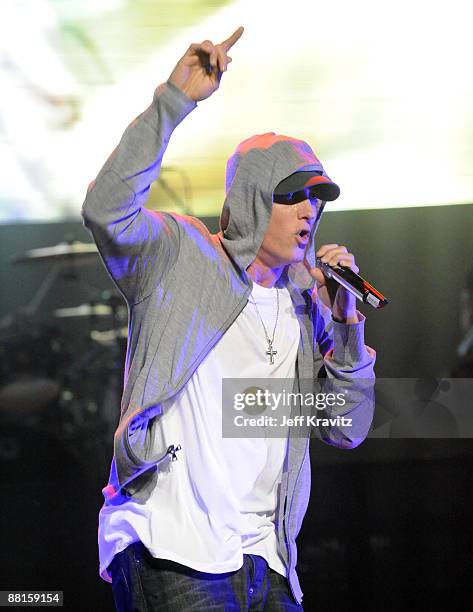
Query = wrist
x=344 y=307
x=348 y=319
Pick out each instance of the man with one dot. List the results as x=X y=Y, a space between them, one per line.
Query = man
x=192 y=519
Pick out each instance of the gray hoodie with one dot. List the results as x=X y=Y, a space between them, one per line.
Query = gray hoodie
x=184 y=287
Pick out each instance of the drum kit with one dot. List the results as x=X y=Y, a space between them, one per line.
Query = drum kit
x=61 y=376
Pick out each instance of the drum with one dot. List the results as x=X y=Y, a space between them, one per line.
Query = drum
x=31 y=361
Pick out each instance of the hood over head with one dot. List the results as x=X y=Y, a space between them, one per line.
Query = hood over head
x=256 y=167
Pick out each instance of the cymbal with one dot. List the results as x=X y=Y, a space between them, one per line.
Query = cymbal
x=110 y=335
x=70 y=252
x=84 y=310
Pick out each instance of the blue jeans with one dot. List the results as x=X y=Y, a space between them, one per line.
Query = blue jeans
x=142 y=583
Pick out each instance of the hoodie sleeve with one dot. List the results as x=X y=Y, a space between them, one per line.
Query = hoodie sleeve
x=137 y=246
x=349 y=366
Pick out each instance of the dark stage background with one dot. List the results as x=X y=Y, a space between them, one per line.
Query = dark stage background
x=388 y=525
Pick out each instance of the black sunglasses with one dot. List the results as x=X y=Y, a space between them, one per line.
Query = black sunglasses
x=297 y=196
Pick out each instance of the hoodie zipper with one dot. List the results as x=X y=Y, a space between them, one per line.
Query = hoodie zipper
x=286 y=523
x=286 y=527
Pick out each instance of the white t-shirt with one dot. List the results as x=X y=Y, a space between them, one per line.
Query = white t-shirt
x=219 y=499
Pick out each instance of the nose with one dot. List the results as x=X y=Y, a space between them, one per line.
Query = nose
x=307 y=209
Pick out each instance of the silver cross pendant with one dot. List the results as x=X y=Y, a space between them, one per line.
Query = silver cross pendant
x=271 y=352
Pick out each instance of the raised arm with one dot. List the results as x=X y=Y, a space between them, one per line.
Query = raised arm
x=138 y=246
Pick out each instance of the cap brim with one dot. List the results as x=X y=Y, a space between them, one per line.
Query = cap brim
x=324 y=188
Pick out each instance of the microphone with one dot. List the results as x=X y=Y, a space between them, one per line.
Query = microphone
x=353 y=283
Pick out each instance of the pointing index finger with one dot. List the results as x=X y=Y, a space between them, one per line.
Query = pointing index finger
x=231 y=40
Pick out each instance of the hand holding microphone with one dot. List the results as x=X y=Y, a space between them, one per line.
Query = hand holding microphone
x=337 y=283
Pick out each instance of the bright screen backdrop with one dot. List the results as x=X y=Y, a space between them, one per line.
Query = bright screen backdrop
x=383 y=91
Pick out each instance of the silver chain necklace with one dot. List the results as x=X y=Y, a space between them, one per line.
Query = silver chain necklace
x=270 y=352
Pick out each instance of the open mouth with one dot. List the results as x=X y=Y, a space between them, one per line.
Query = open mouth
x=303 y=237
